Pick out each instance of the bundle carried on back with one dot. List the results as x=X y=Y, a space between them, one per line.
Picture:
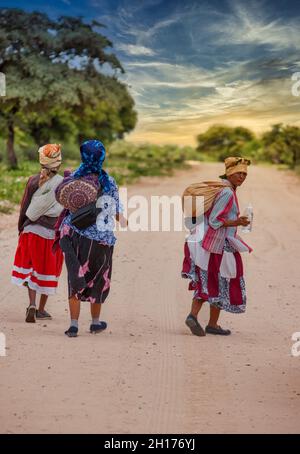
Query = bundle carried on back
x=43 y=201
x=198 y=198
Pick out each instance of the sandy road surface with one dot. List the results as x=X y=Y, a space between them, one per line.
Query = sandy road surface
x=146 y=373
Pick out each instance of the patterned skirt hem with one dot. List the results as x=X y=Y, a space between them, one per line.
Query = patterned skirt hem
x=223 y=305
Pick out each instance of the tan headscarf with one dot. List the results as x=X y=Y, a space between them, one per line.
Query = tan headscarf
x=50 y=155
x=192 y=203
x=235 y=165
x=50 y=160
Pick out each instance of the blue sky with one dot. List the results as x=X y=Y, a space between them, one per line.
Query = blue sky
x=193 y=63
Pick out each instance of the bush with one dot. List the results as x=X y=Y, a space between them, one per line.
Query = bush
x=126 y=162
x=132 y=161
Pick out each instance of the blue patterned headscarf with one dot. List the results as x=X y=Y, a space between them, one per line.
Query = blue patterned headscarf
x=92 y=157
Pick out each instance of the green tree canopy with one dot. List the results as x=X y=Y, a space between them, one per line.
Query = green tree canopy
x=282 y=145
x=53 y=75
x=221 y=141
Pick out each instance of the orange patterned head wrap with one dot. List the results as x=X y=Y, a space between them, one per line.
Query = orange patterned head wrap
x=50 y=155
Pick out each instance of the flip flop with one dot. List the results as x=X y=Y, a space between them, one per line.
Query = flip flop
x=30 y=314
x=43 y=315
x=194 y=326
x=218 y=330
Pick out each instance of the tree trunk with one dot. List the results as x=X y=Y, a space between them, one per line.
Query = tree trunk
x=80 y=139
x=40 y=137
x=296 y=156
x=11 y=155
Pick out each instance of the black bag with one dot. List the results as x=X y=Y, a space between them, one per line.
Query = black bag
x=86 y=216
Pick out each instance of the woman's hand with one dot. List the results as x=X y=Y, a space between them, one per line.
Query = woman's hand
x=242 y=220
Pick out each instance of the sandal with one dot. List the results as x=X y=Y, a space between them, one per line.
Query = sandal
x=72 y=331
x=30 y=314
x=194 y=326
x=43 y=315
x=217 y=330
x=97 y=328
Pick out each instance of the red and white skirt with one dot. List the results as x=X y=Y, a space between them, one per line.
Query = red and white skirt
x=216 y=278
x=36 y=265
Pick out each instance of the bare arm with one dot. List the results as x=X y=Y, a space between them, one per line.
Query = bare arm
x=123 y=221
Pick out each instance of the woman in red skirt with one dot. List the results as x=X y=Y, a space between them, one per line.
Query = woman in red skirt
x=213 y=263
x=35 y=265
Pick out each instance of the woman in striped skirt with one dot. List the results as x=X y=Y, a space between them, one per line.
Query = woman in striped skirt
x=213 y=263
x=35 y=265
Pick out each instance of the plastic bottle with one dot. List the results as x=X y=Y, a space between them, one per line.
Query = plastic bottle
x=249 y=214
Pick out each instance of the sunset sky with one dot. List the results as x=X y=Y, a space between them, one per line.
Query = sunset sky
x=190 y=64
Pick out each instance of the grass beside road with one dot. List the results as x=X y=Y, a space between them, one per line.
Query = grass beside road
x=125 y=162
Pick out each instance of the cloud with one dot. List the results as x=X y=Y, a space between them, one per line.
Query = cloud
x=197 y=63
x=237 y=93
x=133 y=49
x=160 y=74
x=148 y=34
x=191 y=90
x=183 y=131
x=251 y=26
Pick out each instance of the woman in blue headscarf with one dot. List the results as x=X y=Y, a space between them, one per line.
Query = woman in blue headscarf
x=88 y=252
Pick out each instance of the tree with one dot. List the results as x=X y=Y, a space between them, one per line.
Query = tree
x=282 y=145
x=49 y=66
x=222 y=141
x=108 y=113
x=45 y=127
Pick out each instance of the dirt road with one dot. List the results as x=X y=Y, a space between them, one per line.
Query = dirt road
x=147 y=373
